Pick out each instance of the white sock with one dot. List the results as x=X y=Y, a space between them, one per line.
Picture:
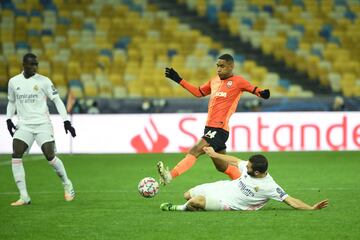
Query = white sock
x=181 y=207
x=59 y=168
x=19 y=176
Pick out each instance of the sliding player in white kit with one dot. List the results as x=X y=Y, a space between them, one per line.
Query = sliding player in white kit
x=251 y=191
x=27 y=94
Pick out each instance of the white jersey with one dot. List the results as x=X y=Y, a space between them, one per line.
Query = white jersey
x=249 y=193
x=30 y=97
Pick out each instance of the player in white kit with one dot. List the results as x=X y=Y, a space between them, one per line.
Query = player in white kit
x=27 y=94
x=251 y=191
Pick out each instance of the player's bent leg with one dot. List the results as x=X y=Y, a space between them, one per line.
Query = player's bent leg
x=196 y=203
x=222 y=166
x=190 y=159
x=48 y=149
x=19 y=148
x=233 y=172
x=187 y=195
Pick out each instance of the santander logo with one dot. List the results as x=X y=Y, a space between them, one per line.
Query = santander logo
x=150 y=140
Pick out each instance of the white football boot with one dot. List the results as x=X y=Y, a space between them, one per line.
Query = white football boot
x=165 y=175
x=69 y=192
x=22 y=201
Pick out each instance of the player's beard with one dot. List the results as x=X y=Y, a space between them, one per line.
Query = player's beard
x=252 y=174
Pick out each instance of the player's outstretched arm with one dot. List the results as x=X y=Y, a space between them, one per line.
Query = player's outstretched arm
x=298 y=204
x=173 y=75
x=226 y=158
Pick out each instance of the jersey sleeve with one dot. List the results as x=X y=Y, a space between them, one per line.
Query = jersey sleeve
x=194 y=90
x=248 y=87
x=277 y=193
x=11 y=92
x=205 y=89
x=50 y=90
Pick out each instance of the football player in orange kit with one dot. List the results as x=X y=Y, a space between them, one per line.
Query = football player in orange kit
x=225 y=91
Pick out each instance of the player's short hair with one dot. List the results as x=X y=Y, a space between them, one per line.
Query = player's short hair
x=27 y=56
x=227 y=57
x=259 y=163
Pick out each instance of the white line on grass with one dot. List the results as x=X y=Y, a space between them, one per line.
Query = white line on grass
x=28 y=159
x=124 y=191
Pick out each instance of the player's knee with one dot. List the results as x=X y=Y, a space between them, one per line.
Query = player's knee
x=17 y=154
x=198 y=202
x=49 y=156
x=196 y=151
x=187 y=195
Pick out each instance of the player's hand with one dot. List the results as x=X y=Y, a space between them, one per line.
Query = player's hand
x=70 y=128
x=320 y=205
x=265 y=94
x=172 y=74
x=10 y=127
x=209 y=151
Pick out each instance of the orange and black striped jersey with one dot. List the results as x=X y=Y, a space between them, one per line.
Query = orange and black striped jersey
x=224 y=97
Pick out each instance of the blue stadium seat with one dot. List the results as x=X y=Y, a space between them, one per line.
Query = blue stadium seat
x=227 y=6
x=325 y=31
x=123 y=42
x=212 y=14
x=269 y=9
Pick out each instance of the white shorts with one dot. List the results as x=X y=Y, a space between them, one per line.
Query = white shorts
x=41 y=133
x=213 y=199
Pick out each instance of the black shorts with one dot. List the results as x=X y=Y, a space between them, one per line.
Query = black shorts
x=216 y=137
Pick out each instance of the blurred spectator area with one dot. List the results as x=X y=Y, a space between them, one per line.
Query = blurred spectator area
x=119 y=48
x=318 y=38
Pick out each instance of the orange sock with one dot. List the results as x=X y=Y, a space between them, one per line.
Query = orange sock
x=183 y=165
x=233 y=172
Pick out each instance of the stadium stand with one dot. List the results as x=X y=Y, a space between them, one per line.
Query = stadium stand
x=314 y=37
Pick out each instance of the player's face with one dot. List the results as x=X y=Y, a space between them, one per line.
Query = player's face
x=250 y=170
x=30 y=66
x=224 y=69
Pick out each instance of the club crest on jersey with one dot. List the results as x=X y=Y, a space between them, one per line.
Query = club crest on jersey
x=36 y=88
x=229 y=84
x=256 y=189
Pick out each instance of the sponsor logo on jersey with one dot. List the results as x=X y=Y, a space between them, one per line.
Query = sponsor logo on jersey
x=36 y=88
x=221 y=94
x=245 y=190
x=26 y=98
x=229 y=84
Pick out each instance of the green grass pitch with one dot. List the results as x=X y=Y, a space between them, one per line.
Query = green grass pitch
x=108 y=205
